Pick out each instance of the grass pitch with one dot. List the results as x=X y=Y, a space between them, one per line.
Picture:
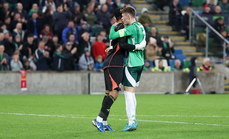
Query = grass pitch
x=70 y=116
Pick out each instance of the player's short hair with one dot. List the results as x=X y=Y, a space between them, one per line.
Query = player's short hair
x=117 y=14
x=129 y=10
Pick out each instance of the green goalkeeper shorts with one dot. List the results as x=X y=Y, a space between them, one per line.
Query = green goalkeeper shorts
x=132 y=76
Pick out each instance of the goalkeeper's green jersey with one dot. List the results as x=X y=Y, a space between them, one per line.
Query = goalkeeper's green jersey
x=136 y=33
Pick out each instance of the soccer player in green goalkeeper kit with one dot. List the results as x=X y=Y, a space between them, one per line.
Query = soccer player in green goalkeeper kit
x=134 y=63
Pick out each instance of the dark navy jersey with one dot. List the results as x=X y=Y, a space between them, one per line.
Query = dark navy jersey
x=115 y=57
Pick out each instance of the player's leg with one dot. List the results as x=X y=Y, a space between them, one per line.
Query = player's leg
x=111 y=95
x=115 y=77
x=98 y=121
x=130 y=81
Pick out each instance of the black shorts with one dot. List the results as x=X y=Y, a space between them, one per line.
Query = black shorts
x=113 y=78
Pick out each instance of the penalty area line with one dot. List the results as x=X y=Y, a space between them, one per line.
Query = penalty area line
x=91 y=117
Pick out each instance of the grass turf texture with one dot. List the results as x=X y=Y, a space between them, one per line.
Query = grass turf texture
x=70 y=116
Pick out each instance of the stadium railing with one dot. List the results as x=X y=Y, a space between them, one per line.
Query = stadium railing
x=194 y=16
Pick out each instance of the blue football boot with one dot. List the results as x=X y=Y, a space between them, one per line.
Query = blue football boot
x=98 y=125
x=107 y=128
x=131 y=127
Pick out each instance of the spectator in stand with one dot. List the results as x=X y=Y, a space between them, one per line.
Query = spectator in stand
x=29 y=47
x=89 y=14
x=19 y=9
x=84 y=28
x=105 y=37
x=86 y=62
x=219 y=24
x=2 y=12
x=42 y=57
x=47 y=17
x=160 y=67
x=178 y=66
x=212 y=5
x=147 y=66
x=186 y=23
x=217 y=10
x=6 y=9
x=15 y=63
x=74 y=45
x=154 y=35
x=29 y=64
x=224 y=6
x=78 y=16
x=70 y=29
x=154 y=47
x=111 y=6
x=18 y=43
x=99 y=48
x=34 y=26
x=34 y=9
x=16 y=19
x=144 y=18
x=206 y=10
x=9 y=24
x=84 y=43
x=69 y=62
x=58 y=58
x=46 y=33
x=60 y=20
x=175 y=15
x=51 y=45
x=9 y=46
x=18 y=31
x=71 y=39
x=3 y=59
x=99 y=63
x=168 y=48
x=206 y=65
x=103 y=17
x=152 y=52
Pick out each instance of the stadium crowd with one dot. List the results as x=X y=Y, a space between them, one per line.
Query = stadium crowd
x=66 y=34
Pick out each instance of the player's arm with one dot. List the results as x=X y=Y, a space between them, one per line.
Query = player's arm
x=119 y=34
x=124 y=45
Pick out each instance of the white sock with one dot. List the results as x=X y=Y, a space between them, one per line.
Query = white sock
x=105 y=123
x=99 y=119
x=135 y=103
x=130 y=106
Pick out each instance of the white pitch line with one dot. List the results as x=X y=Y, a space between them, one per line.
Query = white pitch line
x=198 y=116
x=91 y=117
x=204 y=116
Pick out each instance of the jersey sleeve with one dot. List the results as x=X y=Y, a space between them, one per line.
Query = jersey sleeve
x=124 y=45
x=127 y=31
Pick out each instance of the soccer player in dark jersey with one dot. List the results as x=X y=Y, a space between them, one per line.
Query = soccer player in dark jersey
x=113 y=73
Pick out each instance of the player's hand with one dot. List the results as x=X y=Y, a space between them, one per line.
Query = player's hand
x=107 y=50
x=141 y=46
x=115 y=24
